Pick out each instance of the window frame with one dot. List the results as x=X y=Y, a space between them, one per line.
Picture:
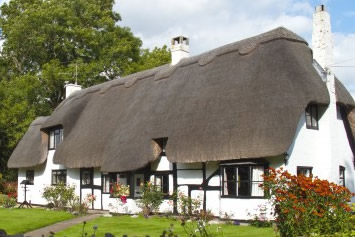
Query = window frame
x=91 y=172
x=55 y=131
x=302 y=168
x=58 y=171
x=162 y=174
x=113 y=180
x=107 y=175
x=235 y=166
x=30 y=176
x=312 y=113
x=342 y=174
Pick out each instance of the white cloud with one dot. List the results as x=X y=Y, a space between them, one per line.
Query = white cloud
x=211 y=23
x=344 y=67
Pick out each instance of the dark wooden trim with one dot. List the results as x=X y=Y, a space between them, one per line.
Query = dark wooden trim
x=175 y=188
x=204 y=185
x=189 y=169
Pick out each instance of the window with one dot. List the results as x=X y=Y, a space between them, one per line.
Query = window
x=161 y=142
x=161 y=181
x=55 y=137
x=304 y=170
x=242 y=180
x=138 y=184
x=30 y=176
x=59 y=176
x=87 y=176
x=123 y=179
x=105 y=183
x=342 y=175
x=312 y=117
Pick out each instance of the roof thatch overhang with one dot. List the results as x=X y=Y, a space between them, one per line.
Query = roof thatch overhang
x=32 y=148
x=243 y=100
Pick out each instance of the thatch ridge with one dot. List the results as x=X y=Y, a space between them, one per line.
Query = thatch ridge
x=32 y=148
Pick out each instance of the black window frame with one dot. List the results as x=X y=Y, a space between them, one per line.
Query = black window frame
x=56 y=131
x=113 y=180
x=91 y=178
x=164 y=186
x=342 y=175
x=30 y=177
x=311 y=116
x=302 y=169
x=59 y=173
x=104 y=177
x=250 y=182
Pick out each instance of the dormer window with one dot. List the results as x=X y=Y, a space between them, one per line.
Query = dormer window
x=312 y=117
x=161 y=142
x=55 y=137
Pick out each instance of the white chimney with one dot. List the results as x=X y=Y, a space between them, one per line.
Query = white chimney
x=70 y=88
x=179 y=49
x=322 y=42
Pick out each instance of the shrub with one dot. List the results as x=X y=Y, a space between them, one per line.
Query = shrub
x=61 y=195
x=151 y=198
x=7 y=201
x=259 y=219
x=188 y=206
x=305 y=206
x=10 y=188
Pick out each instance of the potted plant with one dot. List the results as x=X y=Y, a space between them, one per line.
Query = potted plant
x=151 y=198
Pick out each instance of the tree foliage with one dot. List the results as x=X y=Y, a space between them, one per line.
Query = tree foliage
x=47 y=43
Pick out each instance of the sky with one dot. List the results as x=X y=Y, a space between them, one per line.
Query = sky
x=213 y=23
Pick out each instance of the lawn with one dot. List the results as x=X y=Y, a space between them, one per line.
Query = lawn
x=140 y=227
x=16 y=221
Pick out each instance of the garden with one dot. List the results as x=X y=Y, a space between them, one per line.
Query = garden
x=302 y=206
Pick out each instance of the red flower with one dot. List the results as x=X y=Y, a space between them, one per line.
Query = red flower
x=123 y=199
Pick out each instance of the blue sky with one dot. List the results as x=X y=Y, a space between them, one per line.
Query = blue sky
x=213 y=23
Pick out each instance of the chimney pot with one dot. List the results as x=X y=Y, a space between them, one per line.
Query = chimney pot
x=179 y=49
x=70 y=88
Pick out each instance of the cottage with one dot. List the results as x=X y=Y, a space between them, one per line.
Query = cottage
x=207 y=126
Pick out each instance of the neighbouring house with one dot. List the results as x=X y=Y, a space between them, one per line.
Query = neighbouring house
x=207 y=126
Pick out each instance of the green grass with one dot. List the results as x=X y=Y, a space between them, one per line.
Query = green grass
x=140 y=227
x=16 y=221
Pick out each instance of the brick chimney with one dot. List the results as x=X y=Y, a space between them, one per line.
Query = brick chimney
x=70 y=88
x=179 y=49
x=322 y=41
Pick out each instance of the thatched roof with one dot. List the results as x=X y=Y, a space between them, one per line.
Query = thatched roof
x=243 y=100
x=32 y=149
x=343 y=96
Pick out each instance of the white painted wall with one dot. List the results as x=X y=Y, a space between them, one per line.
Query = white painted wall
x=325 y=149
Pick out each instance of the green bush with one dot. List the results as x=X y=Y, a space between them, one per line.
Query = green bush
x=151 y=198
x=7 y=201
x=61 y=196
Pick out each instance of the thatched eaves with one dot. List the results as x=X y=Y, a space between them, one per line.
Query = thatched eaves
x=32 y=148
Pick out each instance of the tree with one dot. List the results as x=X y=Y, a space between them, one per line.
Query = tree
x=49 y=42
